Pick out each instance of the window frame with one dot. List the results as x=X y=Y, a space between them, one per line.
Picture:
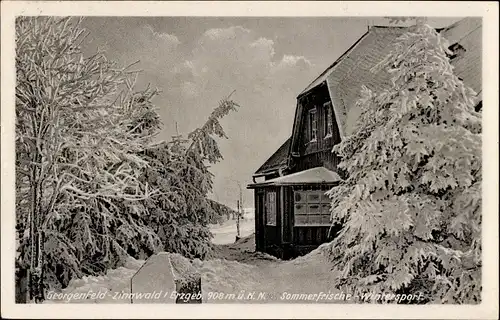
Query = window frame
x=323 y=201
x=313 y=125
x=271 y=205
x=328 y=120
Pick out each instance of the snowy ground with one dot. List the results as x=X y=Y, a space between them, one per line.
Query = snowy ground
x=235 y=270
x=249 y=271
x=226 y=233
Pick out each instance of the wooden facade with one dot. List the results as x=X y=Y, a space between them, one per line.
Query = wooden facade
x=278 y=230
x=316 y=132
x=319 y=124
x=309 y=152
x=285 y=240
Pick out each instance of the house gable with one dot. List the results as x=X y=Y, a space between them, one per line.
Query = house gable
x=315 y=132
x=345 y=77
x=289 y=209
x=341 y=83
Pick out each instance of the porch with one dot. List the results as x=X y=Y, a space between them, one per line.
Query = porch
x=292 y=212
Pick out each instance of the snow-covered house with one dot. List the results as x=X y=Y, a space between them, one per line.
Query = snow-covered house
x=291 y=211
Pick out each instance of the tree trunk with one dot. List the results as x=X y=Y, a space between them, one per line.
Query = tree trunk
x=35 y=279
x=37 y=294
x=21 y=285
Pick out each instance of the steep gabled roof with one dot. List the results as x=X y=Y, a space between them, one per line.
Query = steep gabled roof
x=351 y=70
x=322 y=77
x=468 y=66
x=276 y=161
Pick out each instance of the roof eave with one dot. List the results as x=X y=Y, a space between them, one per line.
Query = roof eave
x=290 y=184
x=264 y=169
x=337 y=61
x=269 y=171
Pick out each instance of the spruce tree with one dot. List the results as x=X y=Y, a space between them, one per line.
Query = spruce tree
x=181 y=212
x=411 y=202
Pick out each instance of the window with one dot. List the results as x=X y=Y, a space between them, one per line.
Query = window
x=312 y=208
x=457 y=51
x=313 y=130
x=271 y=209
x=328 y=120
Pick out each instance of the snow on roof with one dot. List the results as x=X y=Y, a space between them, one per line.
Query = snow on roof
x=353 y=69
x=310 y=176
x=468 y=33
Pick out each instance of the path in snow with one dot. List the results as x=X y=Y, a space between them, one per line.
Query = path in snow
x=307 y=274
x=226 y=233
x=235 y=268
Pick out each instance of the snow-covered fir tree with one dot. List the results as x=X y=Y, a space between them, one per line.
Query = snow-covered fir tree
x=181 y=213
x=411 y=202
x=76 y=143
x=85 y=199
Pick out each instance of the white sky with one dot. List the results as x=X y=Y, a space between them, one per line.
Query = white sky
x=196 y=61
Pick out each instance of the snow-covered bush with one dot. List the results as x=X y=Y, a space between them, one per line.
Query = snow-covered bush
x=411 y=204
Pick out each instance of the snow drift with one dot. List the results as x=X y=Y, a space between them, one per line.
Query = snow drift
x=223 y=280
